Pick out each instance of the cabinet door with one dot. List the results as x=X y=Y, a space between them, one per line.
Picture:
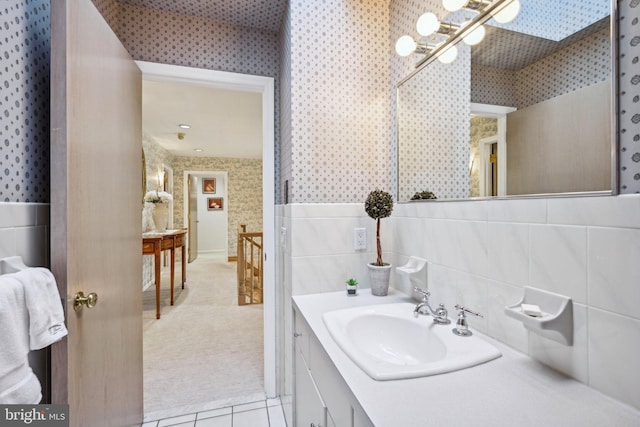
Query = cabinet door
x=310 y=410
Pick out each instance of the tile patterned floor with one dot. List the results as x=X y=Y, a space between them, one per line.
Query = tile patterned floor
x=263 y=413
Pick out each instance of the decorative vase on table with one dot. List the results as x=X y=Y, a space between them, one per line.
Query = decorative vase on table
x=160 y=212
x=160 y=216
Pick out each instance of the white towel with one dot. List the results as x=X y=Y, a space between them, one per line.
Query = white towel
x=46 y=317
x=31 y=317
x=18 y=384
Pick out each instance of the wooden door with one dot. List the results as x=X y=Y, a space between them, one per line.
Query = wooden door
x=193 y=218
x=96 y=217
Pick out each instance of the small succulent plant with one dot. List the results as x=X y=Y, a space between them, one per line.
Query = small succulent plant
x=352 y=282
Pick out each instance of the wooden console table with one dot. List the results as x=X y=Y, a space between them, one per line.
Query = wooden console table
x=154 y=244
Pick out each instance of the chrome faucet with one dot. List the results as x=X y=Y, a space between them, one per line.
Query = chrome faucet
x=423 y=308
x=462 y=327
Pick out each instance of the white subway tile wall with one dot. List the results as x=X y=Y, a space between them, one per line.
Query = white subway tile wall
x=591 y=263
x=24 y=231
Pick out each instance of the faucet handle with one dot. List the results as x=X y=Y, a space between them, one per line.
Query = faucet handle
x=462 y=327
x=425 y=294
x=464 y=310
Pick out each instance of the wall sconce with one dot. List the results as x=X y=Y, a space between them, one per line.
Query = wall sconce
x=471 y=31
x=161 y=173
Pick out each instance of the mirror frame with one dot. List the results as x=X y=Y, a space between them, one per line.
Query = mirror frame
x=615 y=125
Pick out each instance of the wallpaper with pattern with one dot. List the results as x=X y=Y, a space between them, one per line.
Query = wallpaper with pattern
x=166 y=37
x=244 y=200
x=24 y=101
x=24 y=144
x=261 y=14
x=629 y=90
x=579 y=65
x=339 y=100
x=285 y=104
x=556 y=19
x=435 y=118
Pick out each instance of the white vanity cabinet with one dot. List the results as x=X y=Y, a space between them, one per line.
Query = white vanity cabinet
x=310 y=410
x=321 y=397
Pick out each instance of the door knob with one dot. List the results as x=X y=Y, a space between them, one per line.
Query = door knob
x=90 y=301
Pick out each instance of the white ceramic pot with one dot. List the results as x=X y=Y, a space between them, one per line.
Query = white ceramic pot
x=160 y=216
x=379 y=276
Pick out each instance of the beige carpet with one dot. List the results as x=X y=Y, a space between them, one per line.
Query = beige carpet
x=205 y=347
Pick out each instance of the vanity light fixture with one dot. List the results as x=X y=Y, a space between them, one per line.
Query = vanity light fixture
x=448 y=55
x=507 y=13
x=475 y=36
x=472 y=31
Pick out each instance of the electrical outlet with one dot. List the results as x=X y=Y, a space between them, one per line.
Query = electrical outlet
x=359 y=238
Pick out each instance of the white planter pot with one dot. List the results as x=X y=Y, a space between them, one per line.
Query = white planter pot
x=379 y=276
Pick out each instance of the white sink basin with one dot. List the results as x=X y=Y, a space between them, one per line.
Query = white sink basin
x=387 y=342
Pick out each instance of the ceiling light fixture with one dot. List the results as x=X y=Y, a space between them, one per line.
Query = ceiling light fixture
x=198 y=150
x=181 y=135
x=184 y=126
x=471 y=32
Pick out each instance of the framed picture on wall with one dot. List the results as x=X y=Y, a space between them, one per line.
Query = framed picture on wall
x=215 y=203
x=209 y=185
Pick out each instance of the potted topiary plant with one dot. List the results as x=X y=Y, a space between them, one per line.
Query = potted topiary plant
x=379 y=204
x=352 y=287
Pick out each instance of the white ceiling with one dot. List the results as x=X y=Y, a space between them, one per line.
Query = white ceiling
x=224 y=123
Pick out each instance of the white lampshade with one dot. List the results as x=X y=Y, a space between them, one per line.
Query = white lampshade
x=475 y=36
x=427 y=24
x=507 y=13
x=453 y=5
x=405 y=46
x=449 y=55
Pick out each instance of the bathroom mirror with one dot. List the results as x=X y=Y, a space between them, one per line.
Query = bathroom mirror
x=527 y=112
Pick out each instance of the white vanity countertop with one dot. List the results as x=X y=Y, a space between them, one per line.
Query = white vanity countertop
x=513 y=390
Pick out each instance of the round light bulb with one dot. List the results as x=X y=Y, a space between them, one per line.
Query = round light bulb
x=475 y=36
x=427 y=24
x=453 y=5
x=405 y=46
x=449 y=55
x=508 y=13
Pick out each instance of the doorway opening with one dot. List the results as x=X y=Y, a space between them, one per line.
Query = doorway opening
x=488 y=162
x=265 y=87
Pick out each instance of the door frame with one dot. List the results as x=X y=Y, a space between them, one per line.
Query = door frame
x=198 y=175
x=484 y=168
x=497 y=112
x=265 y=86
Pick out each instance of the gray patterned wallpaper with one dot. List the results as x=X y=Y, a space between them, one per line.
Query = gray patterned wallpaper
x=260 y=14
x=286 y=173
x=578 y=65
x=24 y=101
x=629 y=90
x=340 y=137
x=165 y=37
x=443 y=169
